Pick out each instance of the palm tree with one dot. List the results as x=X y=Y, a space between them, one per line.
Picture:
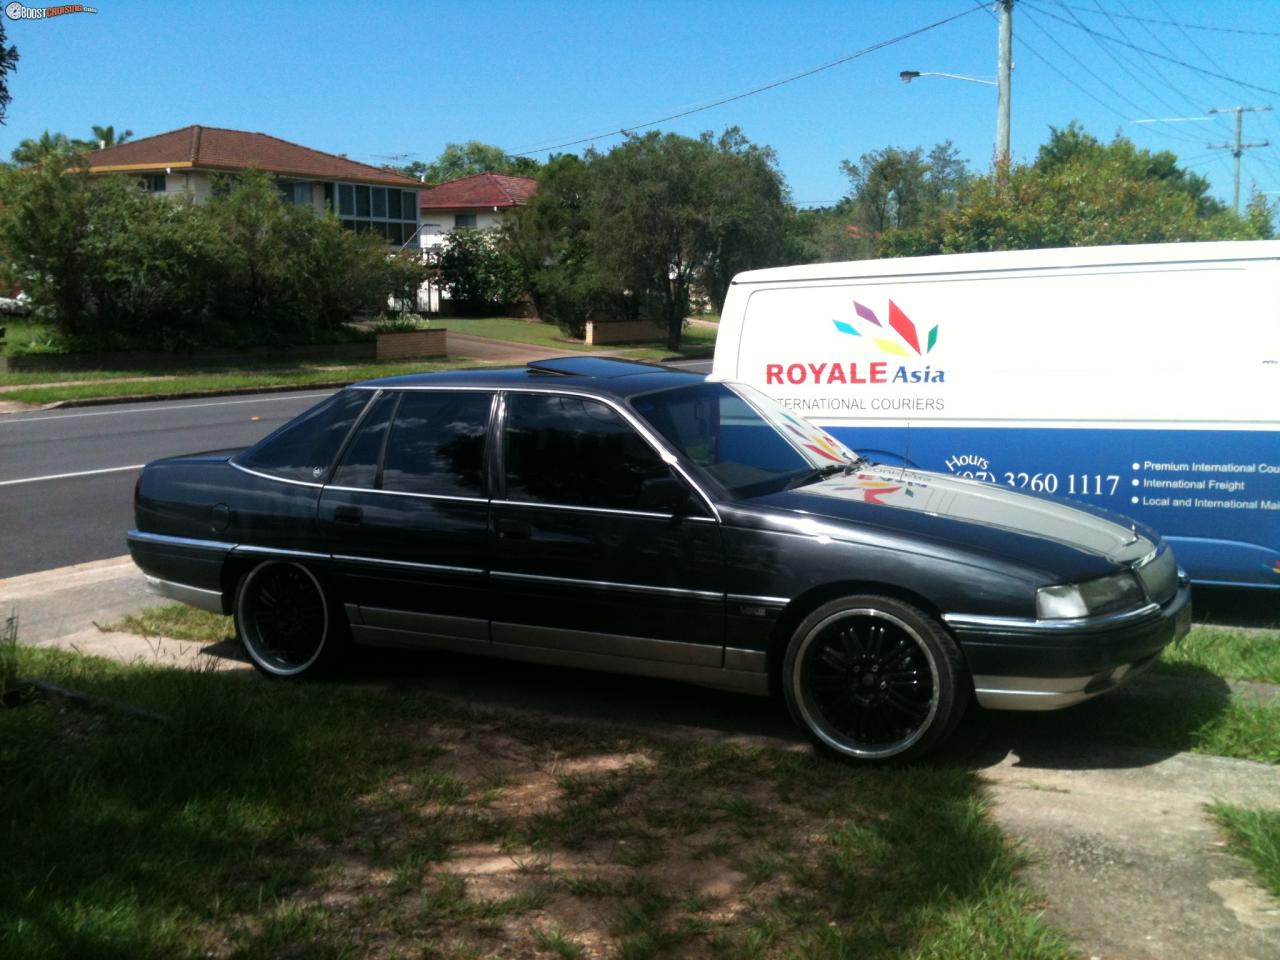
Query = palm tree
x=106 y=137
x=31 y=151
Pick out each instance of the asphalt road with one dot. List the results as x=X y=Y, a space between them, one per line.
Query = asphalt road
x=66 y=476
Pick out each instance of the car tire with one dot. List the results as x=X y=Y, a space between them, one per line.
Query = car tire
x=873 y=679
x=286 y=622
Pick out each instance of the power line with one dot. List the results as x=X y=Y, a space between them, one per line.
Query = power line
x=1087 y=69
x=1156 y=37
x=1120 y=62
x=1181 y=26
x=751 y=93
x=1133 y=46
x=1191 y=40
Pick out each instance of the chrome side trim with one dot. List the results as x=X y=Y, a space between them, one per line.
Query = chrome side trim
x=762 y=601
x=408 y=564
x=738 y=681
x=267 y=476
x=752 y=661
x=609 y=585
x=431 y=624
x=976 y=622
x=391 y=637
x=407 y=493
x=590 y=643
x=578 y=509
x=166 y=540
x=198 y=597
x=280 y=552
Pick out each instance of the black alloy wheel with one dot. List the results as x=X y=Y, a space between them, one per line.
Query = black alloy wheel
x=872 y=678
x=282 y=617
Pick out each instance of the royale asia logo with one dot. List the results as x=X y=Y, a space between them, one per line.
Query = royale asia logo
x=878 y=371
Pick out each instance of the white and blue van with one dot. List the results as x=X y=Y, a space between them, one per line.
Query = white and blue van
x=1140 y=379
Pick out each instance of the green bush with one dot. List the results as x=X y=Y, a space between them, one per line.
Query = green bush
x=479 y=273
x=114 y=268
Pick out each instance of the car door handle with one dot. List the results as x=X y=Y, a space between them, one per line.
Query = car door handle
x=348 y=514
x=514 y=530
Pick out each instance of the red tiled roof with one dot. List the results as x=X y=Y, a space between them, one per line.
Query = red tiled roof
x=479 y=190
x=213 y=148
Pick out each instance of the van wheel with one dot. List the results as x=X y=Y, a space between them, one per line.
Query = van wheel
x=872 y=678
x=285 y=621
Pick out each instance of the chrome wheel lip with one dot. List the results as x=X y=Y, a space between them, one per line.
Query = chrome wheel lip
x=812 y=717
x=264 y=660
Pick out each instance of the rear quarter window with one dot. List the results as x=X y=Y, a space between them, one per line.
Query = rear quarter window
x=305 y=447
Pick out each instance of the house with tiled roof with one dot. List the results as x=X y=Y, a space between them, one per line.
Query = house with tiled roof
x=479 y=201
x=186 y=163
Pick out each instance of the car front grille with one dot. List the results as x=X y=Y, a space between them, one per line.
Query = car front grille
x=1159 y=576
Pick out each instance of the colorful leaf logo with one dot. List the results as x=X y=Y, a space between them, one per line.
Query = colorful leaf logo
x=899 y=323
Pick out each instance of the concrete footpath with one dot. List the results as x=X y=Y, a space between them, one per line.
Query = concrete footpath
x=67 y=608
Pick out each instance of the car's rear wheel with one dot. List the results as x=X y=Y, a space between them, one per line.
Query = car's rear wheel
x=284 y=619
x=873 y=678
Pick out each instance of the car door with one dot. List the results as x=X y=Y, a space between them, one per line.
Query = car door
x=601 y=551
x=406 y=517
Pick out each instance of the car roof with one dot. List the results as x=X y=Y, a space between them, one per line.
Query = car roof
x=607 y=376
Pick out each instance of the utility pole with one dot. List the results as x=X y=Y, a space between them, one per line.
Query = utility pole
x=1240 y=147
x=1004 y=83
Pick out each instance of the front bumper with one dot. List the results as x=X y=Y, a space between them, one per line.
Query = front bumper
x=1047 y=665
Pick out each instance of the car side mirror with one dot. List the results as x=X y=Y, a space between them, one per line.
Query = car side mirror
x=665 y=495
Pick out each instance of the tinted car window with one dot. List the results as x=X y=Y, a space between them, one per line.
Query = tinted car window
x=304 y=448
x=578 y=452
x=359 y=466
x=437 y=444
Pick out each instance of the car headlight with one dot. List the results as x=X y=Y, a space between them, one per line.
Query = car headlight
x=1104 y=595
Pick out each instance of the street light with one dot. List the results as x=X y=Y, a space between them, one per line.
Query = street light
x=906 y=76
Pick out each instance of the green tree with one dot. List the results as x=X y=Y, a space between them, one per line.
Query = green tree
x=479 y=272
x=34 y=150
x=104 y=137
x=8 y=63
x=464 y=159
x=117 y=268
x=1080 y=192
x=895 y=188
x=670 y=215
x=550 y=238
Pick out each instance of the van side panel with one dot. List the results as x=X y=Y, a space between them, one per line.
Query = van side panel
x=1148 y=389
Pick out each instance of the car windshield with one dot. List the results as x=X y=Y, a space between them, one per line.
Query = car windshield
x=742 y=439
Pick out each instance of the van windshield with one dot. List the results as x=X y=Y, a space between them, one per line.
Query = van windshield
x=742 y=439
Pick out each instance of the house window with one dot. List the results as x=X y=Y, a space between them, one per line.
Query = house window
x=461 y=220
x=298 y=194
x=153 y=183
x=387 y=211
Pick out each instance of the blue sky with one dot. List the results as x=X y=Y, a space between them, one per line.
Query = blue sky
x=378 y=79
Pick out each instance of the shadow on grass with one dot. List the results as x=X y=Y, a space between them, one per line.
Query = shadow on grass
x=1236 y=608
x=221 y=829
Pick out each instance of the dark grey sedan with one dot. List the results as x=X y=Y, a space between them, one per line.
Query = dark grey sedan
x=618 y=516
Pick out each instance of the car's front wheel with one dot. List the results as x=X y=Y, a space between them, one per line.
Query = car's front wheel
x=284 y=620
x=873 y=678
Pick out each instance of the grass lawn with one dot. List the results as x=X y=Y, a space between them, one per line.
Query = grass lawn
x=110 y=384
x=695 y=341
x=1234 y=654
x=37 y=387
x=1255 y=836
x=311 y=820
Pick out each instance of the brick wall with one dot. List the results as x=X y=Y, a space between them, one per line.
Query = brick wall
x=622 y=331
x=413 y=344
